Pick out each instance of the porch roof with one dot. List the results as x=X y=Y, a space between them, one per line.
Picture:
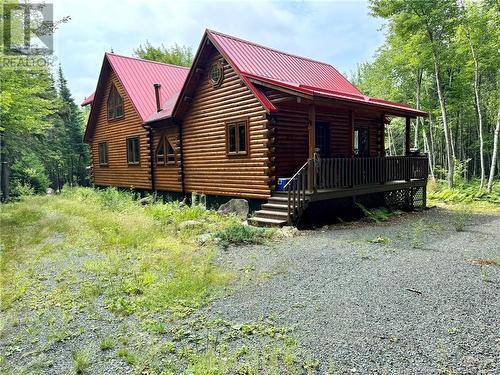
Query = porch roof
x=312 y=93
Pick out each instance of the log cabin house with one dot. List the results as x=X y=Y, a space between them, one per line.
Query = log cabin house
x=251 y=122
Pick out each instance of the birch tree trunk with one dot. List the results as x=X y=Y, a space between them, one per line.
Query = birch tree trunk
x=428 y=149
x=447 y=136
x=495 y=152
x=417 y=102
x=479 y=114
x=476 y=95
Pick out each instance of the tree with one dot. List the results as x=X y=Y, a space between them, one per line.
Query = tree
x=475 y=32
x=495 y=153
x=434 y=21
x=176 y=54
x=76 y=151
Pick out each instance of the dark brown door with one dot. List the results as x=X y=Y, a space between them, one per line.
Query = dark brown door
x=361 y=142
x=323 y=139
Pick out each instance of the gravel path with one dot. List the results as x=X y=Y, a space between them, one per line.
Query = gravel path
x=411 y=301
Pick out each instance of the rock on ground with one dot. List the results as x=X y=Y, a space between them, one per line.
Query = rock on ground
x=237 y=207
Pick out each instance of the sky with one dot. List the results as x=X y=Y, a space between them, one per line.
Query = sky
x=340 y=33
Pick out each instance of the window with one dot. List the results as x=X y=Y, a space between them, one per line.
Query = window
x=236 y=138
x=361 y=142
x=115 y=104
x=165 y=152
x=133 y=150
x=103 y=153
x=216 y=73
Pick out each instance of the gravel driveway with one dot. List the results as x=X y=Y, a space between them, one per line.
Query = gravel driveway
x=405 y=297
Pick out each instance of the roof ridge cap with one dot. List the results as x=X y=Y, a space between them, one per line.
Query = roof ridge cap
x=269 y=48
x=146 y=60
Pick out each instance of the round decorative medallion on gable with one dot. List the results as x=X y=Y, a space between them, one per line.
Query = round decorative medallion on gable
x=216 y=73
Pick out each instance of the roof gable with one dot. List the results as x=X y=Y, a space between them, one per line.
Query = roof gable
x=196 y=73
x=252 y=59
x=137 y=77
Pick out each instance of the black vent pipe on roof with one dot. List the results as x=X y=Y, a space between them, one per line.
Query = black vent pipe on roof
x=157 y=95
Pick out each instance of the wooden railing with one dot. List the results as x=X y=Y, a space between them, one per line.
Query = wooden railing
x=350 y=172
x=297 y=188
x=342 y=173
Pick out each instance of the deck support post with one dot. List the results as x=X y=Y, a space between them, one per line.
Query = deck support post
x=312 y=146
x=407 y=136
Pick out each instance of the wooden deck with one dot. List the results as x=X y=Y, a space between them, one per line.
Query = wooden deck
x=324 y=179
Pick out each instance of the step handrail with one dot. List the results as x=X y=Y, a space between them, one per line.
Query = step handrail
x=296 y=189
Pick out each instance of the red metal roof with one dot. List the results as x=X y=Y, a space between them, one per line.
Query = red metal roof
x=138 y=77
x=259 y=61
x=88 y=100
x=256 y=62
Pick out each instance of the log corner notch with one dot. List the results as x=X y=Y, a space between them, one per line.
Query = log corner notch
x=312 y=130
x=312 y=144
x=407 y=135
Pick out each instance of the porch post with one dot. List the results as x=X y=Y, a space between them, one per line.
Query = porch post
x=312 y=146
x=407 y=136
x=382 y=136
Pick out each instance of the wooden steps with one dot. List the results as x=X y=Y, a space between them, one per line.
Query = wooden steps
x=274 y=213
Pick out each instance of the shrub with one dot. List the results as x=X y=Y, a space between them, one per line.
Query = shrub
x=19 y=189
x=28 y=176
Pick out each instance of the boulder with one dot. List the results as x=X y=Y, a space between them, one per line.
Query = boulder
x=237 y=207
x=147 y=200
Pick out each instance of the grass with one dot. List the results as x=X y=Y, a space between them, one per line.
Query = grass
x=137 y=256
x=102 y=256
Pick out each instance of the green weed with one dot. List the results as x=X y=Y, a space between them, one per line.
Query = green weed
x=461 y=218
x=376 y=215
x=107 y=343
x=127 y=356
x=242 y=234
x=81 y=361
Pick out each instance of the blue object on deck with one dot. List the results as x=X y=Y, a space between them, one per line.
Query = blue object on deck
x=281 y=183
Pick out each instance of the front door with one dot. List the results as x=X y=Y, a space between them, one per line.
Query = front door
x=361 y=142
x=323 y=139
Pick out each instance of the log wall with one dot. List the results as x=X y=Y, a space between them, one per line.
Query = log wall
x=207 y=167
x=118 y=172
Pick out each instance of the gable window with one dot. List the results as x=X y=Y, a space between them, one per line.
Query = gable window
x=133 y=150
x=237 y=138
x=115 y=104
x=216 y=73
x=165 y=152
x=103 y=153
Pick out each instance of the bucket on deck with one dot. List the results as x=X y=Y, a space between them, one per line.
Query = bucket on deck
x=281 y=184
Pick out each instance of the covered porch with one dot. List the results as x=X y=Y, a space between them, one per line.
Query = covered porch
x=366 y=171
x=329 y=149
